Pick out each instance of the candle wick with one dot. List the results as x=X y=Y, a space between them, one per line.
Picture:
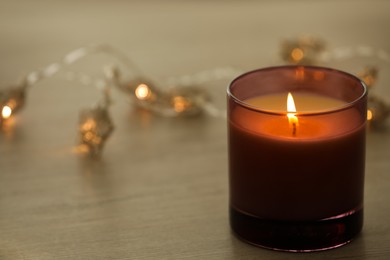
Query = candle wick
x=294 y=130
x=293 y=122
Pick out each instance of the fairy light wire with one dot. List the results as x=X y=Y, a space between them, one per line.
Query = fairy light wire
x=76 y=55
x=176 y=96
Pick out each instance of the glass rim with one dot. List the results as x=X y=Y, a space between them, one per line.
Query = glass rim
x=305 y=113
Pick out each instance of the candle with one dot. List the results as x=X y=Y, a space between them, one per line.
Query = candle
x=296 y=171
x=287 y=126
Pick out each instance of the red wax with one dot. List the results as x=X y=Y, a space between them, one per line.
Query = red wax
x=316 y=173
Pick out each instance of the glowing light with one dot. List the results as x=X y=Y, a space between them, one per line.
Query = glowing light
x=369 y=76
x=369 y=115
x=292 y=119
x=180 y=104
x=88 y=125
x=88 y=136
x=143 y=92
x=6 y=112
x=369 y=80
x=82 y=149
x=297 y=54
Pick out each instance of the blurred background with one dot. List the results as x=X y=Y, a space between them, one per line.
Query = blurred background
x=163 y=37
x=160 y=178
x=178 y=38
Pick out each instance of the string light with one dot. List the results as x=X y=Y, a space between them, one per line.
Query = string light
x=304 y=50
x=308 y=50
x=173 y=101
x=180 y=103
x=369 y=114
x=95 y=126
x=369 y=75
x=12 y=100
x=6 y=112
x=180 y=96
x=378 y=111
x=143 y=92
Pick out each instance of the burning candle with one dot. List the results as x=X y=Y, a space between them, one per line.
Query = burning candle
x=296 y=157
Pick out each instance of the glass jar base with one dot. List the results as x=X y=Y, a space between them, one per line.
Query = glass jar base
x=297 y=236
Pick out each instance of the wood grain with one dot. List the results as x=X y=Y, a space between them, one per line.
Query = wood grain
x=160 y=190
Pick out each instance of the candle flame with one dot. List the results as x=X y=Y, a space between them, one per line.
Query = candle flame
x=290 y=103
x=292 y=119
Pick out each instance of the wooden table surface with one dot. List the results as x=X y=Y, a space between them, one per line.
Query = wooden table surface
x=159 y=190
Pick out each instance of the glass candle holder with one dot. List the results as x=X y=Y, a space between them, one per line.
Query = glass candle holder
x=296 y=168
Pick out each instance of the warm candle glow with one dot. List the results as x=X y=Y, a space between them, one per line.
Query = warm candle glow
x=292 y=119
x=6 y=112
